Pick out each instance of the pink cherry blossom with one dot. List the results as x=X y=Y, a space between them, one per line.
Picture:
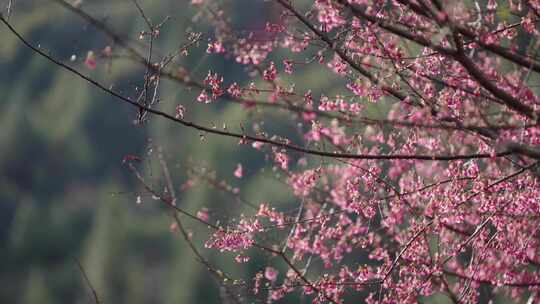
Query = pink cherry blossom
x=270 y=274
x=90 y=61
x=203 y=214
x=239 y=171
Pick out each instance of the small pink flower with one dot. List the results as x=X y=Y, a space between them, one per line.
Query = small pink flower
x=270 y=274
x=214 y=82
x=282 y=159
x=180 y=110
x=230 y=240
x=308 y=98
x=203 y=214
x=215 y=48
x=241 y=259
x=492 y=5
x=173 y=227
x=528 y=24
x=234 y=90
x=203 y=97
x=239 y=171
x=257 y=145
x=90 y=60
x=270 y=74
x=288 y=66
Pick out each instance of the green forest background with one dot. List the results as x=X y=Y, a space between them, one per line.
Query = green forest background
x=64 y=193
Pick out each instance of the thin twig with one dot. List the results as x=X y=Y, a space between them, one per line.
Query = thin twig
x=87 y=280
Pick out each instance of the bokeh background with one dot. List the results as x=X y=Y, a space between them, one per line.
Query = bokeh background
x=65 y=195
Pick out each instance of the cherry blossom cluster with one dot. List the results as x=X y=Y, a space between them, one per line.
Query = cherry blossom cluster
x=448 y=78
